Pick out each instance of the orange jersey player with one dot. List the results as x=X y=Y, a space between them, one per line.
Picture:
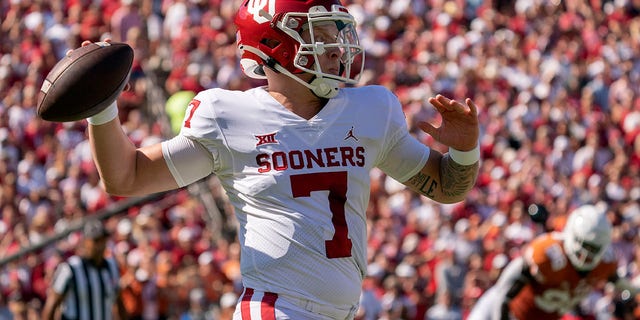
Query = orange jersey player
x=555 y=273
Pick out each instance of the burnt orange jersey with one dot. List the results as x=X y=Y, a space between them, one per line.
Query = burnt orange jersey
x=557 y=287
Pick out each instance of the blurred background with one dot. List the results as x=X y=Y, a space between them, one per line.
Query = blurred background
x=558 y=84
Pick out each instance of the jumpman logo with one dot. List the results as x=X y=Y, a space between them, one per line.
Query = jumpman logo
x=350 y=134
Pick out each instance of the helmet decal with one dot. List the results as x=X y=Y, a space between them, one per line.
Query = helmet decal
x=257 y=7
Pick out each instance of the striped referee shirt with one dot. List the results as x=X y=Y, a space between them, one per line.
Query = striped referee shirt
x=89 y=291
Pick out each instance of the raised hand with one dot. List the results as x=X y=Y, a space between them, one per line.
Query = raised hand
x=459 y=128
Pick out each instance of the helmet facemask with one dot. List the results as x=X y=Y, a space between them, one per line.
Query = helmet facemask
x=342 y=37
x=584 y=255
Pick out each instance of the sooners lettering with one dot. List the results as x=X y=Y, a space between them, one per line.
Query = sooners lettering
x=318 y=158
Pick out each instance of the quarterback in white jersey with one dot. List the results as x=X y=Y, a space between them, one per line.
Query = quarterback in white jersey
x=294 y=157
x=300 y=187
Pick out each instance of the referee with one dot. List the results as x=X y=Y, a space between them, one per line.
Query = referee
x=85 y=286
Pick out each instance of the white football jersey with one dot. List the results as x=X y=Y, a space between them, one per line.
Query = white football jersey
x=300 y=187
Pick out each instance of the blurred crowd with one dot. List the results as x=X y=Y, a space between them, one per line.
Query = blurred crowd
x=557 y=83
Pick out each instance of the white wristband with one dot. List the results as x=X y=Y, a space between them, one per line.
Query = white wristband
x=465 y=158
x=104 y=116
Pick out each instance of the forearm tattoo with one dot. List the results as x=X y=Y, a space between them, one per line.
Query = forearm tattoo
x=457 y=179
x=425 y=184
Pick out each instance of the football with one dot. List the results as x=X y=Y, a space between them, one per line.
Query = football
x=85 y=82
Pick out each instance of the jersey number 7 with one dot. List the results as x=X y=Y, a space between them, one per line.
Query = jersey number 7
x=336 y=183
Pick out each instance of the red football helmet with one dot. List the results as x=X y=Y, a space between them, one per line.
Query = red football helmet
x=270 y=33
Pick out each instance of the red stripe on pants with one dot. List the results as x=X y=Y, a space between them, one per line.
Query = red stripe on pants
x=267 y=305
x=245 y=309
x=267 y=310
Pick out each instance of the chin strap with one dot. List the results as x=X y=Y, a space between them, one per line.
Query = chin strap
x=324 y=87
x=321 y=87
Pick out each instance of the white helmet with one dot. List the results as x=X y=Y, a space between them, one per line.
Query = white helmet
x=587 y=235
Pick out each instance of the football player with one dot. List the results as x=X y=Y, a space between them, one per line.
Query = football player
x=294 y=157
x=556 y=271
